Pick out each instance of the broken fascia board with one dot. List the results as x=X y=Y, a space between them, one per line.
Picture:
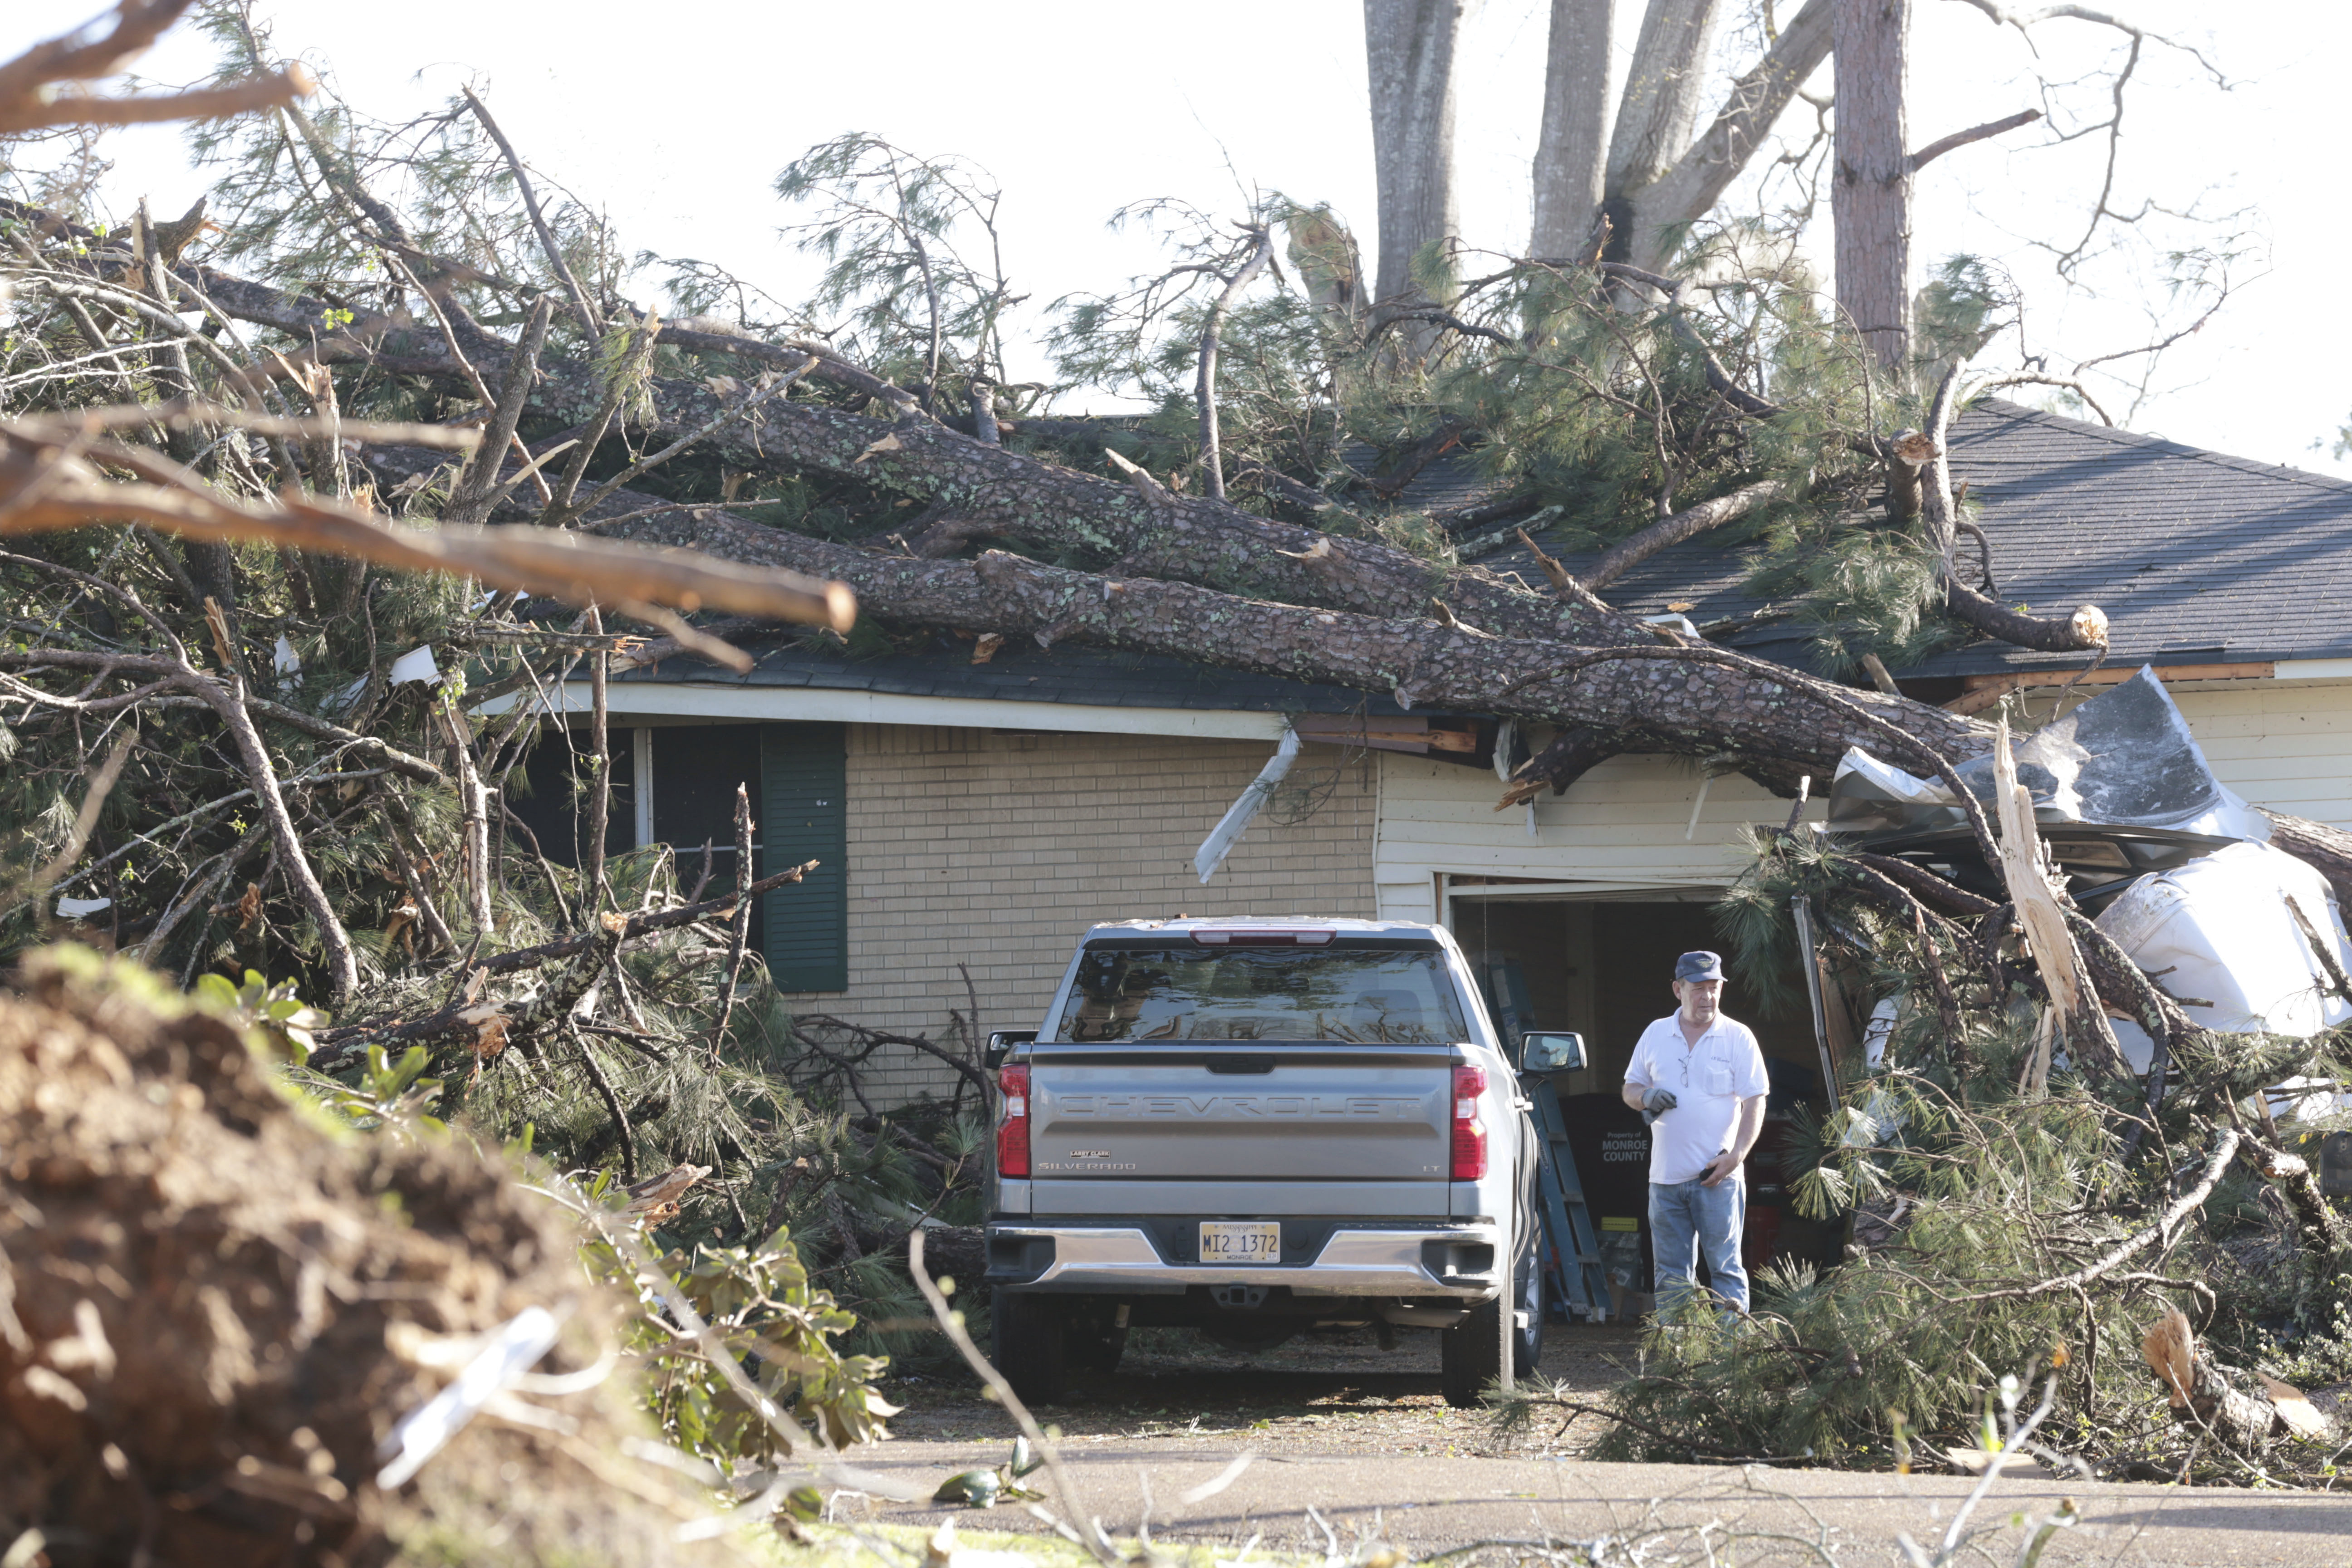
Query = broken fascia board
x=715 y=702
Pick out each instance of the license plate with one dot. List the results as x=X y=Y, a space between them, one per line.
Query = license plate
x=1240 y=1241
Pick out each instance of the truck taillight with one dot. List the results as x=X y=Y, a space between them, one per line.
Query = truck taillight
x=1012 y=1133
x=1469 y=1132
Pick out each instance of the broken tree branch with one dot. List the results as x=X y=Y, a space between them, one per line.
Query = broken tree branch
x=2072 y=999
x=630 y=928
x=1688 y=523
x=741 y=933
x=590 y=322
x=1204 y=381
x=2225 y=1149
x=2086 y=628
x=73 y=58
x=52 y=476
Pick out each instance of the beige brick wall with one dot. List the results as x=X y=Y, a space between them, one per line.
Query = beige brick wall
x=997 y=849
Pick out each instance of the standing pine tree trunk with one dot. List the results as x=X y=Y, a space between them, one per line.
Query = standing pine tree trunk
x=1870 y=192
x=1572 y=147
x=1409 y=55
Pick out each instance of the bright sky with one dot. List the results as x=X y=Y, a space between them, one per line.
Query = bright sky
x=677 y=118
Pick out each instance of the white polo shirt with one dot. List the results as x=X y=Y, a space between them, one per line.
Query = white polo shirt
x=1709 y=1079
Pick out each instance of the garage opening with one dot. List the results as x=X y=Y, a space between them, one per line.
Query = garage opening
x=1603 y=966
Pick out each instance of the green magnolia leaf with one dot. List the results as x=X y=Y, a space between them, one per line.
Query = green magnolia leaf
x=973 y=1488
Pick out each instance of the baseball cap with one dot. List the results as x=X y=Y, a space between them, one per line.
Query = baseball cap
x=1699 y=966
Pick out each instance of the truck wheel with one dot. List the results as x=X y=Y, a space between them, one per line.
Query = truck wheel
x=1093 y=1342
x=1027 y=1345
x=1527 y=1342
x=1527 y=1264
x=1470 y=1355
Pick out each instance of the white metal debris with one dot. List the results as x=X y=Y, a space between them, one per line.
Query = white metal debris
x=1222 y=837
x=2221 y=934
x=416 y=663
x=514 y=1350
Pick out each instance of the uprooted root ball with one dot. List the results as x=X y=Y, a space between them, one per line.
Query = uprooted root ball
x=211 y=1309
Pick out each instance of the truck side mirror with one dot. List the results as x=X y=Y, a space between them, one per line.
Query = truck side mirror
x=1541 y=1051
x=1000 y=1043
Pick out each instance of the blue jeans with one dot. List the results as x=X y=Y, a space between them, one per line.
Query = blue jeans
x=1684 y=1217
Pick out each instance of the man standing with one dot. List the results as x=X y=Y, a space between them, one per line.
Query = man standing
x=1697 y=1077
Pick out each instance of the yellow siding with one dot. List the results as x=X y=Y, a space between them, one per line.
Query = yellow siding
x=2286 y=744
x=997 y=848
x=1621 y=825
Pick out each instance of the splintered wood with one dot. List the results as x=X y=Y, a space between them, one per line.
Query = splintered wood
x=2074 y=1010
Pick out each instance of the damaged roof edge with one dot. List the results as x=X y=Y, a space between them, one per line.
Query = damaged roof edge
x=712 y=700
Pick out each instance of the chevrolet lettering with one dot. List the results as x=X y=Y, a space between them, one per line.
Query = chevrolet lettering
x=1257 y=1127
x=1399 y=1106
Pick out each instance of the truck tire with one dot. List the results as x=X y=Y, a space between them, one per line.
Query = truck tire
x=1027 y=1343
x=1470 y=1355
x=1527 y=1255
x=1527 y=1342
x=1092 y=1340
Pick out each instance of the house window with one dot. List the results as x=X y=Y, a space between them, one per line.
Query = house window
x=550 y=794
x=674 y=785
x=692 y=773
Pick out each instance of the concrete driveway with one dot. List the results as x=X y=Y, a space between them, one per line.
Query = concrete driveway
x=1358 y=1434
x=1428 y=1504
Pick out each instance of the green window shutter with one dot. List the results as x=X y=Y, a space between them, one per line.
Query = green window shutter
x=803 y=773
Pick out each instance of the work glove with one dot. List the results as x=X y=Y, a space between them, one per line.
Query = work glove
x=1656 y=1103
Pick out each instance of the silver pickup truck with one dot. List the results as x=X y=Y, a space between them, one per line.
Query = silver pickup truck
x=1254 y=1128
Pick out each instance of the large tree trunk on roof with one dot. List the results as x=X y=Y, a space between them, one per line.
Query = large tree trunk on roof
x=1232 y=588
x=1869 y=180
x=1777 y=721
x=1409 y=55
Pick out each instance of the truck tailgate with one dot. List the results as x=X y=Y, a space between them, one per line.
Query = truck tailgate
x=1305 y=1111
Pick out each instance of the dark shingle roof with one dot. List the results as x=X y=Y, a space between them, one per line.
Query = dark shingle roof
x=1023 y=672
x=1448 y=483
x=2196 y=557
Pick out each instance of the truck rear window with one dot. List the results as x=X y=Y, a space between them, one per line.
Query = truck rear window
x=1394 y=995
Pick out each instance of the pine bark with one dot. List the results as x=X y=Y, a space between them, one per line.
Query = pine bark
x=1870 y=188
x=1772 y=718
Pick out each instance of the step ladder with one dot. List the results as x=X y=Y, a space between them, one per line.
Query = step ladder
x=1568 y=1229
x=1573 y=1272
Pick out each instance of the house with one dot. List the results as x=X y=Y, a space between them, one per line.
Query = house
x=972 y=818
